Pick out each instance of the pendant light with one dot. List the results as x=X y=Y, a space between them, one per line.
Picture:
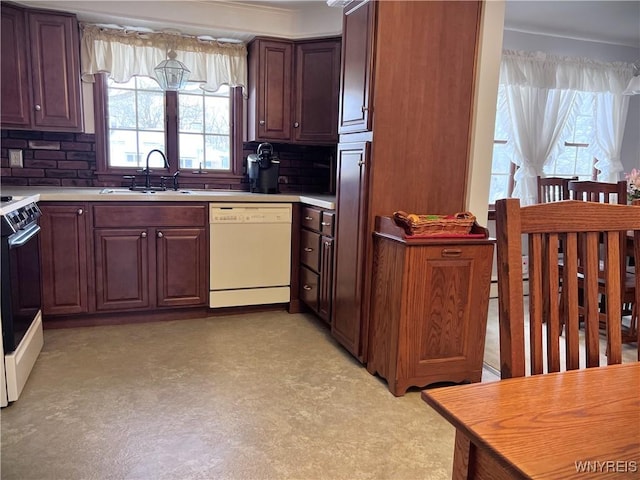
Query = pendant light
x=171 y=74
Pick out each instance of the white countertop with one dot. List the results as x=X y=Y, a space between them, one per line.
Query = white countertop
x=101 y=194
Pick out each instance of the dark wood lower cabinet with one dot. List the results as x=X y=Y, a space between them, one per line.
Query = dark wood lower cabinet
x=429 y=310
x=122 y=268
x=65 y=257
x=111 y=257
x=181 y=266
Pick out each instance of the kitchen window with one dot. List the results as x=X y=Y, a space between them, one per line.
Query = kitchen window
x=197 y=130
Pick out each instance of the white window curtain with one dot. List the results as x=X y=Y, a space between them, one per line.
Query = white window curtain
x=540 y=98
x=125 y=53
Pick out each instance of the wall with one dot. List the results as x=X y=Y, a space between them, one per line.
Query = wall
x=630 y=152
x=69 y=160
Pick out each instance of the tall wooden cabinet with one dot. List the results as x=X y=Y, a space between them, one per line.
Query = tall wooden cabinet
x=406 y=91
x=293 y=91
x=40 y=70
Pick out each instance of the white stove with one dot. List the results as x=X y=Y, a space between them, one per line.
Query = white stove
x=20 y=315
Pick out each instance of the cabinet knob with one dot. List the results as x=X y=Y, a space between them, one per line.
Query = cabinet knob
x=80 y=211
x=308 y=249
x=327 y=244
x=261 y=122
x=307 y=287
x=143 y=235
x=308 y=219
x=451 y=252
x=325 y=224
x=160 y=235
x=296 y=125
x=38 y=108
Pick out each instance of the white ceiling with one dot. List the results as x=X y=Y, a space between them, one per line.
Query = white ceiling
x=616 y=22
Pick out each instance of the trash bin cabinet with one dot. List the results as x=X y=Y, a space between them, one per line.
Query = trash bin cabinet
x=430 y=301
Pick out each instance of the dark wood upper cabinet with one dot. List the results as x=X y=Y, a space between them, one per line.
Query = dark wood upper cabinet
x=357 y=67
x=270 y=77
x=293 y=91
x=317 y=74
x=40 y=70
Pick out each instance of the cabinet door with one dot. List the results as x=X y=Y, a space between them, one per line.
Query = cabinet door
x=64 y=260
x=350 y=244
x=271 y=71
x=122 y=268
x=317 y=66
x=14 y=80
x=357 y=68
x=55 y=71
x=181 y=266
x=326 y=279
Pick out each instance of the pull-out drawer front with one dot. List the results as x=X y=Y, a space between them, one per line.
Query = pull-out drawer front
x=309 y=287
x=109 y=215
x=326 y=223
x=310 y=249
x=311 y=218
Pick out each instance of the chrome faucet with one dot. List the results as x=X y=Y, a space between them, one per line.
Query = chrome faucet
x=147 y=172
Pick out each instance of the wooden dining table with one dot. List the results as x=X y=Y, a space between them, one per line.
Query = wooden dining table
x=575 y=424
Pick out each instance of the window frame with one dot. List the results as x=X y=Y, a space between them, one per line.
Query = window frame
x=106 y=173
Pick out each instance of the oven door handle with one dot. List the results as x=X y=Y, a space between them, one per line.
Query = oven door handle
x=19 y=239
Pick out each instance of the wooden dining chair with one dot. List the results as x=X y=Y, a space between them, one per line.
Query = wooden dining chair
x=544 y=225
x=612 y=193
x=553 y=189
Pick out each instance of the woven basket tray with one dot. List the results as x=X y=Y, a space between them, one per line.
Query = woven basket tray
x=459 y=224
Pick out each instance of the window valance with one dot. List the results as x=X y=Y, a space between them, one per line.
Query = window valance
x=125 y=53
x=541 y=70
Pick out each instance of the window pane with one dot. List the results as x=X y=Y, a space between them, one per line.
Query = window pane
x=207 y=114
x=499 y=187
x=501 y=162
x=147 y=83
x=149 y=141
x=150 y=110
x=217 y=152
x=123 y=149
x=122 y=108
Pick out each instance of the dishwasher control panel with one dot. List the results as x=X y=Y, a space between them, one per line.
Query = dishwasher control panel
x=258 y=213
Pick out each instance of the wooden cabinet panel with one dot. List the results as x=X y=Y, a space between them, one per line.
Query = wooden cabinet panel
x=122 y=268
x=181 y=269
x=429 y=311
x=326 y=278
x=317 y=67
x=65 y=258
x=349 y=248
x=310 y=249
x=40 y=70
x=15 y=77
x=55 y=71
x=309 y=287
x=270 y=80
x=358 y=36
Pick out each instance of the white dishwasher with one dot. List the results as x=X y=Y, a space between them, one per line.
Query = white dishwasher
x=250 y=253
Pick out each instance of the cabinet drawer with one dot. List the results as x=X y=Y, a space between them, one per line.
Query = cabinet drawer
x=309 y=287
x=326 y=225
x=310 y=249
x=311 y=218
x=128 y=215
